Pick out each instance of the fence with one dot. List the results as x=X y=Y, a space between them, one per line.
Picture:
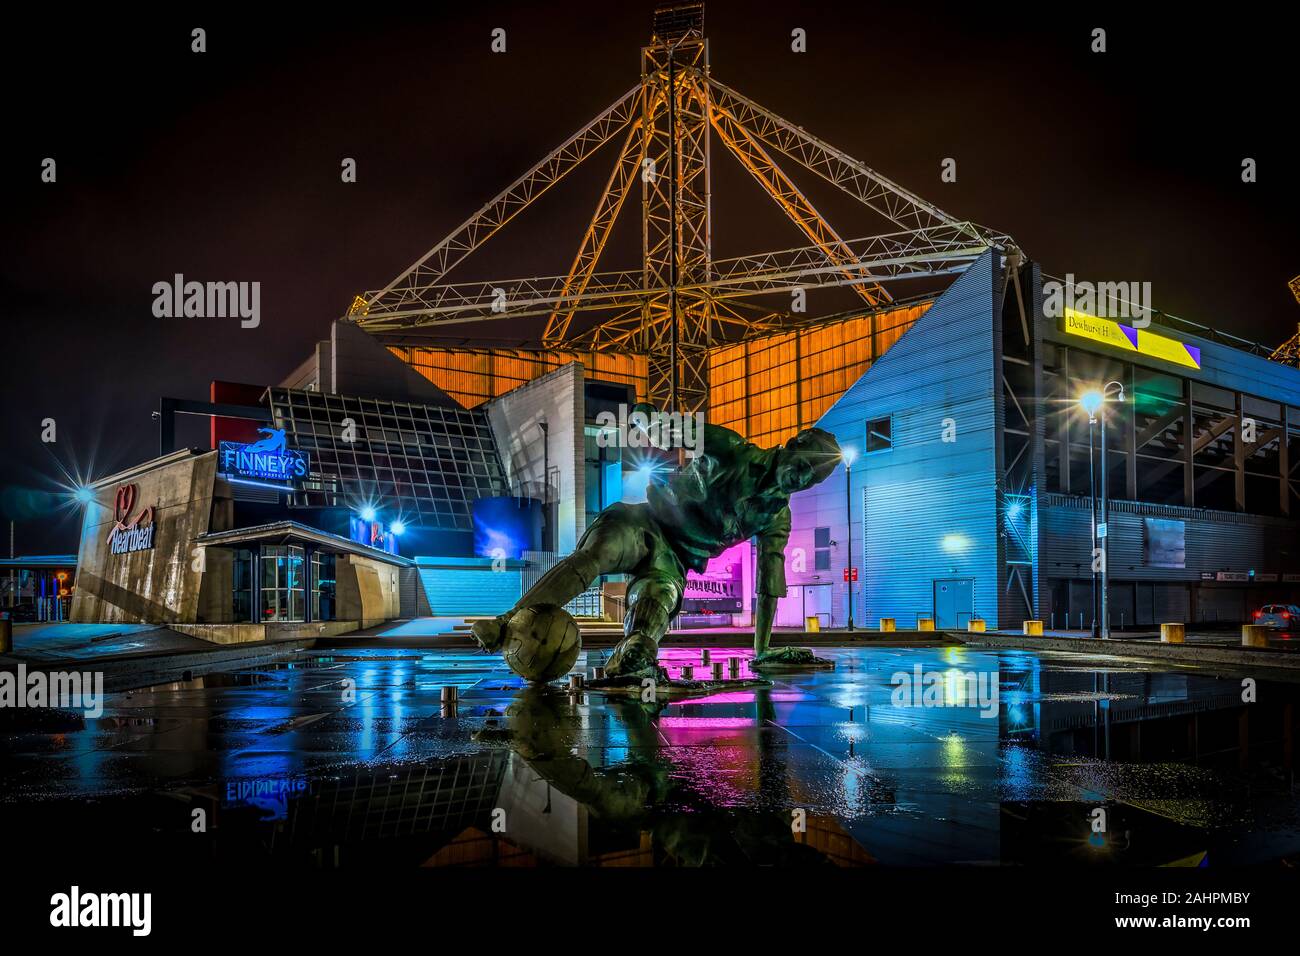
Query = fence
x=537 y=563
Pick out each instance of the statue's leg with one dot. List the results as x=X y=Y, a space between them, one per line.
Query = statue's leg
x=764 y=615
x=613 y=543
x=652 y=600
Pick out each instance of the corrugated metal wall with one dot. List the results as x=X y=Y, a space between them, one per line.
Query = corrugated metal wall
x=930 y=504
x=1215 y=541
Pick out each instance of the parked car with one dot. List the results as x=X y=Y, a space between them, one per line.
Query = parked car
x=1282 y=617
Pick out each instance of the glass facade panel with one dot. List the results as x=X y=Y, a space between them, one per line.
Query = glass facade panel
x=427 y=462
x=770 y=388
x=472 y=377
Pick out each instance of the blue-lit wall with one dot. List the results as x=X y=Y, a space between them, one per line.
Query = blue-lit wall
x=507 y=526
x=930 y=505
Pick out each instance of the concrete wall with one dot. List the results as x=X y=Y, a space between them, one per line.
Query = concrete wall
x=556 y=398
x=928 y=506
x=367 y=591
x=254 y=633
x=155 y=586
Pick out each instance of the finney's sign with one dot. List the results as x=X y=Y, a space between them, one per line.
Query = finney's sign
x=135 y=534
x=267 y=459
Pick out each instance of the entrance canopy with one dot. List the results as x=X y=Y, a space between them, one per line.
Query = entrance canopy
x=291 y=532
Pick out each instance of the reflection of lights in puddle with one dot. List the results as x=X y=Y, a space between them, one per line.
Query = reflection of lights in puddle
x=703 y=723
x=953 y=745
x=743 y=697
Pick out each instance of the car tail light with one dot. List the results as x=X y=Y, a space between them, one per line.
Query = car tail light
x=1286 y=615
x=1259 y=613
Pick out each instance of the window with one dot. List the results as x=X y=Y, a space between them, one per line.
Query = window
x=880 y=434
x=430 y=462
x=242 y=586
x=821 y=549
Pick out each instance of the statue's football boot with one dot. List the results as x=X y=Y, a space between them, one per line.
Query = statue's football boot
x=635 y=656
x=491 y=631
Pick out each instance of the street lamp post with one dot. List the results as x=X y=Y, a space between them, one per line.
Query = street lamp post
x=1094 y=403
x=1092 y=508
x=546 y=483
x=848 y=455
x=1105 y=511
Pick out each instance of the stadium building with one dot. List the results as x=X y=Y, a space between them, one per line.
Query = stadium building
x=415 y=465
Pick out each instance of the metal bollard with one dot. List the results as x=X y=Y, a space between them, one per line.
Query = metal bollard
x=1172 y=633
x=450 y=698
x=575 y=682
x=598 y=673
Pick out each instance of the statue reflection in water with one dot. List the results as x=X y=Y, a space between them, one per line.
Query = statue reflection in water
x=638 y=809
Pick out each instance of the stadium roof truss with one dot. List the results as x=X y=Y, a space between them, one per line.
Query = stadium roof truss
x=665 y=128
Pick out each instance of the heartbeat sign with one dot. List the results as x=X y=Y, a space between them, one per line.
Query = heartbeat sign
x=123 y=534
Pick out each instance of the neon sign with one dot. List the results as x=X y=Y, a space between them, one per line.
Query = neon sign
x=267 y=459
x=1142 y=341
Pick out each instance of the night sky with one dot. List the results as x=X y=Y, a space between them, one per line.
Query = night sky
x=224 y=166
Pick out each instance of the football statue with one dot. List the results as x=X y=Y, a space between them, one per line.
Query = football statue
x=731 y=491
x=541 y=643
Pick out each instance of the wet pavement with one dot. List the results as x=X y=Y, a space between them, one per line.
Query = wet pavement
x=899 y=756
x=62 y=641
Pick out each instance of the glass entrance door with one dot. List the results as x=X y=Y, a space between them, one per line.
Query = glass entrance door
x=283 y=588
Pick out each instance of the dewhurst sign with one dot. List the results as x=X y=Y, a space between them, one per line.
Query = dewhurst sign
x=267 y=459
